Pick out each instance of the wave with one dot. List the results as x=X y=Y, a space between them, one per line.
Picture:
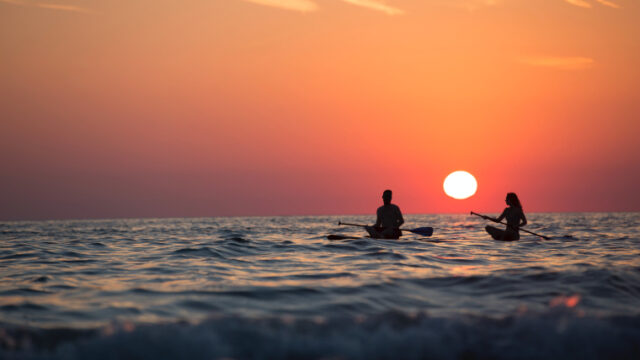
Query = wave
x=199 y=252
x=557 y=334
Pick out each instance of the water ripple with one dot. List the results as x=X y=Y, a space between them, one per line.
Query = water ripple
x=84 y=274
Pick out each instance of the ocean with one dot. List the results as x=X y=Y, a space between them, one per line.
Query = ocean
x=277 y=288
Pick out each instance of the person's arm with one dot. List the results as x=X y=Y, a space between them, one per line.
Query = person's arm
x=400 y=218
x=523 y=219
x=502 y=216
x=378 y=219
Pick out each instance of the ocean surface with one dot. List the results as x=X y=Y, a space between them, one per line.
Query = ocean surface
x=276 y=288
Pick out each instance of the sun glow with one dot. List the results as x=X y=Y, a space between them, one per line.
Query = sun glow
x=460 y=185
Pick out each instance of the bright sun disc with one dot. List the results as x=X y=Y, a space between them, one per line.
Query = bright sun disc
x=460 y=185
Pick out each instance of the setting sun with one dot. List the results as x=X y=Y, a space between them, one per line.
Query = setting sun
x=460 y=185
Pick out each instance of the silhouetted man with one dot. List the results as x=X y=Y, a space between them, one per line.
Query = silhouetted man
x=388 y=220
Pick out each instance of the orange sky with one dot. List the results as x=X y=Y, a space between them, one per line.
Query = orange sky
x=143 y=108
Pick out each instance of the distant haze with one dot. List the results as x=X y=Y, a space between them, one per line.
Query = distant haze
x=283 y=107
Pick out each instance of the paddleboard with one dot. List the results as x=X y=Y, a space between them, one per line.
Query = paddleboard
x=341 y=237
x=496 y=233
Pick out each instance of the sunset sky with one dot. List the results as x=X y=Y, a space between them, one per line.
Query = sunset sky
x=141 y=108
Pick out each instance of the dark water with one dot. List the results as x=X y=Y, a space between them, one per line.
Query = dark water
x=275 y=287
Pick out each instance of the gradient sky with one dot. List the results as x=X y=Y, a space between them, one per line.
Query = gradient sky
x=141 y=108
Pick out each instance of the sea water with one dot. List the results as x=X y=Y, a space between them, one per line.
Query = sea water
x=276 y=287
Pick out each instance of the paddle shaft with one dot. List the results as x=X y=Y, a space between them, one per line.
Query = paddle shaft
x=424 y=231
x=361 y=225
x=500 y=222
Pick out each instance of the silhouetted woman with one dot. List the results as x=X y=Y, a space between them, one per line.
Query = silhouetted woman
x=515 y=219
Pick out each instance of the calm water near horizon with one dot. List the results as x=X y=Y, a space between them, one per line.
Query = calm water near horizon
x=275 y=287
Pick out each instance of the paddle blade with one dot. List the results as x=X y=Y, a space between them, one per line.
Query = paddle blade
x=424 y=231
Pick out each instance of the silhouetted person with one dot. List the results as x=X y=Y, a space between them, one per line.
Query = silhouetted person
x=388 y=220
x=515 y=219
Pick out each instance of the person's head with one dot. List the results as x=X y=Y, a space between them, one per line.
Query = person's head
x=512 y=200
x=386 y=197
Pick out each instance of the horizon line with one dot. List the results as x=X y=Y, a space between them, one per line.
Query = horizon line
x=298 y=215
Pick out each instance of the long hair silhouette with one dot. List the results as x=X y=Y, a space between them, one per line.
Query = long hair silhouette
x=512 y=198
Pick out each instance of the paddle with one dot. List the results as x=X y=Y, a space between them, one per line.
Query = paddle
x=424 y=231
x=500 y=222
